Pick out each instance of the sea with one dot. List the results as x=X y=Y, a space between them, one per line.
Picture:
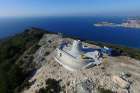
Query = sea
x=78 y=26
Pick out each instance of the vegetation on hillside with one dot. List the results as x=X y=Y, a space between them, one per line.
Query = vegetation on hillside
x=12 y=75
x=52 y=86
x=102 y=90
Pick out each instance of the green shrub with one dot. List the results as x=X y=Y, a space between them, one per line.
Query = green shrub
x=52 y=87
x=11 y=49
x=102 y=90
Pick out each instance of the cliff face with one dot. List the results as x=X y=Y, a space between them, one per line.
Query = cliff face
x=27 y=66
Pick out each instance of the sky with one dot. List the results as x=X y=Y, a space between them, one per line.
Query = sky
x=69 y=7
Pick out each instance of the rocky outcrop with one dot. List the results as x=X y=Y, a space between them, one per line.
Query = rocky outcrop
x=119 y=81
x=99 y=79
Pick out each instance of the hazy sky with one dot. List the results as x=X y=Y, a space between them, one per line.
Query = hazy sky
x=68 y=7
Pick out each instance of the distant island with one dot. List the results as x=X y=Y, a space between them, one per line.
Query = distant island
x=130 y=23
x=106 y=24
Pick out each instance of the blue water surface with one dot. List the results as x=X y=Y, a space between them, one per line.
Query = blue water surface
x=76 y=26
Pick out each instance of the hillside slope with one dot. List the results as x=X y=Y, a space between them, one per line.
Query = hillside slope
x=27 y=65
x=11 y=49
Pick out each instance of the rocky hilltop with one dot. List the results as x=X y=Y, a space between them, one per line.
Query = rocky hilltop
x=27 y=65
x=119 y=74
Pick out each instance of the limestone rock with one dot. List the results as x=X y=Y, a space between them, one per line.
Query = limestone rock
x=85 y=86
x=122 y=91
x=119 y=81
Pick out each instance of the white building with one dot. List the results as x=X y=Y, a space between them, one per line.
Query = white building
x=76 y=57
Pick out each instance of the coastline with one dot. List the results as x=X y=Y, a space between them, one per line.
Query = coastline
x=133 y=52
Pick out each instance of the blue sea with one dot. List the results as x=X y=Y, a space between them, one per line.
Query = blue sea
x=75 y=26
